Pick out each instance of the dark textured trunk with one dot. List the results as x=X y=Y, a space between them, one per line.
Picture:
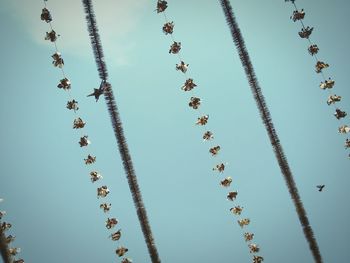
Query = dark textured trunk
x=119 y=133
x=266 y=117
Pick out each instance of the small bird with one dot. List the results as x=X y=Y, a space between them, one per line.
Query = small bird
x=98 y=92
x=320 y=187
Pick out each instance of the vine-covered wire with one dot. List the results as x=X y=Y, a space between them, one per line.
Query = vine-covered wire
x=326 y=83
x=195 y=103
x=267 y=120
x=84 y=141
x=8 y=253
x=119 y=132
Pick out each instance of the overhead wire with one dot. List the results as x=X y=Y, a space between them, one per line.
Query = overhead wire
x=226 y=182
x=311 y=43
x=119 y=132
x=269 y=126
x=347 y=143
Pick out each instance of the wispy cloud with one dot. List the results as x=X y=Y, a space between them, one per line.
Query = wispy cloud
x=116 y=19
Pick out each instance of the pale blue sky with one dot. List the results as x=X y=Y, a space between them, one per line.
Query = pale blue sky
x=48 y=195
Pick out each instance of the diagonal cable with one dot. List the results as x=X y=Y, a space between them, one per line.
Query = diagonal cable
x=267 y=120
x=119 y=132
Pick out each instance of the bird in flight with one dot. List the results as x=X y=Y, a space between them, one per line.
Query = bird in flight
x=98 y=92
x=320 y=187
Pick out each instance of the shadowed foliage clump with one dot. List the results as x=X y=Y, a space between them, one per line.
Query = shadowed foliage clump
x=6 y=257
x=266 y=117
x=118 y=131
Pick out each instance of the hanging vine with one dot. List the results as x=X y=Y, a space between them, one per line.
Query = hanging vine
x=8 y=254
x=326 y=83
x=79 y=124
x=195 y=103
